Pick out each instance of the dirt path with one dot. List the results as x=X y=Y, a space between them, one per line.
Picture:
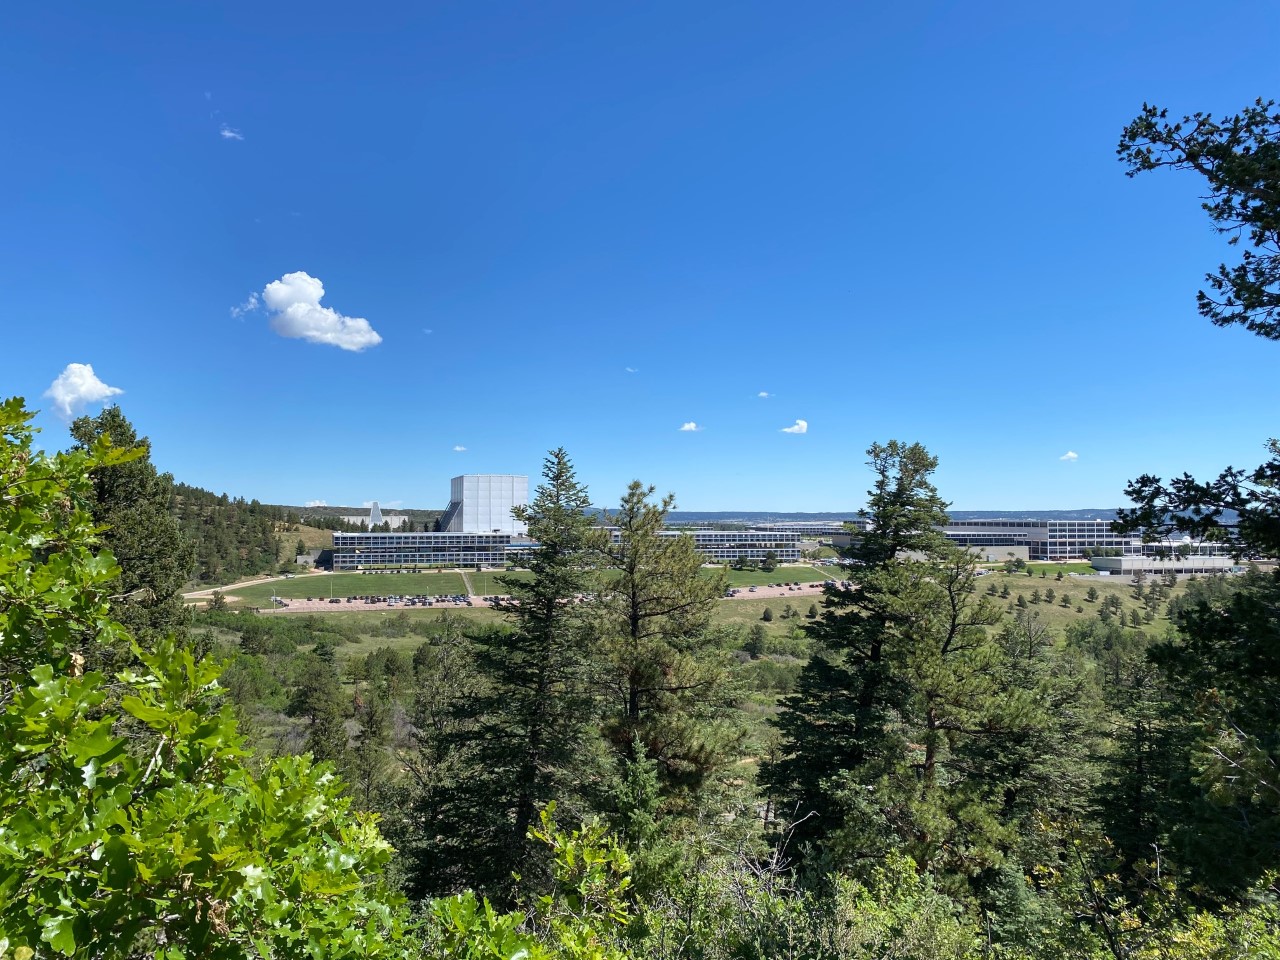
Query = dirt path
x=466 y=582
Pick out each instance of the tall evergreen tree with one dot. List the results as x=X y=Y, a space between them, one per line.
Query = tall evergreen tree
x=837 y=720
x=529 y=740
x=664 y=680
x=874 y=739
x=132 y=500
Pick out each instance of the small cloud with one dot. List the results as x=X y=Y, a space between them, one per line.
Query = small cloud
x=229 y=134
x=1070 y=456
x=208 y=95
x=76 y=387
x=764 y=394
x=315 y=503
x=459 y=448
x=251 y=304
x=630 y=369
x=427 y=330
x=689 y=427
x=294 y=300
x=800 y=426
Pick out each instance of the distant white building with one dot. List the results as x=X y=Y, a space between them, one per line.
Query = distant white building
x=482 y=503
x=376 y=517
x=476 y=531
x=1120 y=566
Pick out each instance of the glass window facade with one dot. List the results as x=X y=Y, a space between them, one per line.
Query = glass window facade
x=417 y=551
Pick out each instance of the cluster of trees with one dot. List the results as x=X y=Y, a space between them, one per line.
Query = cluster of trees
x=230 y=537
x=939 y=781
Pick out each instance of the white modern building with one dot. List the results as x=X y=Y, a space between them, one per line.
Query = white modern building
x=476 y=531
x=812 y=528
x=1199 y=564
x=725 y=546
x=482 y=503
x=408 y=552
x=376 y=518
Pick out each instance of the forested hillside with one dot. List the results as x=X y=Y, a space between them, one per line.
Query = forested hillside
x=231 y=538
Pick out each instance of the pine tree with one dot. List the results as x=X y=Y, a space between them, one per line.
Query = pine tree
x=132 y=500
x=529 y=740
x=903 y=659
x=663 y=676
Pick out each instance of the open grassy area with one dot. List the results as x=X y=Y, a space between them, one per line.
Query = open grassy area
x=313 y=537
x=347 y=585
x=800 y=573
x=485 y=583
x=1058 y=617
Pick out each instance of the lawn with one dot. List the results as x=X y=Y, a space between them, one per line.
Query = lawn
x=799 y=573
x=485 y=583
x=348 y=585
x=1057 y=617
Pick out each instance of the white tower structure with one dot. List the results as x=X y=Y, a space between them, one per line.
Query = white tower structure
x=482 y=502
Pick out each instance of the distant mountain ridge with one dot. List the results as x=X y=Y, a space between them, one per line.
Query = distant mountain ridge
x=770 y=516
x=742 y=516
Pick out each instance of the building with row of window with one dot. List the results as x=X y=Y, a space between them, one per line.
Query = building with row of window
x=1044 y=539
x=407 y=552
x=812 y=529
x=1047 y=539
x=726 y=546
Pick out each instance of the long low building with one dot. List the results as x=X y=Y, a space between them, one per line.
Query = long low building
x=1124 y=566
x=726 y=546
x=406 y=552
x=1042 y=539
x=419 y=551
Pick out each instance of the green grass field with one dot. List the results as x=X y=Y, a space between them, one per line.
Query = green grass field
x=741 y=613
x=485 y=583
x=1057 y=617
x=347 y=585
x=792 y=574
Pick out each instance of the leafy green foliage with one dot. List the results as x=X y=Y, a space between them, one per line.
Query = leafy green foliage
x=129 y=820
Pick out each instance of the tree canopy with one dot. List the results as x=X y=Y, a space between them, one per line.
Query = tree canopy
x=1239 y=158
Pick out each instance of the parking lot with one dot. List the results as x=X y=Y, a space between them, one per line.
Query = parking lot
x=781 y=589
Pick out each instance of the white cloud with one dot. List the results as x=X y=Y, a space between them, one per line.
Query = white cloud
x=427 y=330
x=800 y=426
x=1070 y=456
x=459 y=448
x=629 y=369
x=208 y=95
x=76 y=387
x=251 y=304
x=764 y=394
x=229 y=134
x=294 y=300
x=315 y=503
x=690 y=427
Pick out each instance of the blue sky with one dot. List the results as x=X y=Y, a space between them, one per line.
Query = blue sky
x=590 y=224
